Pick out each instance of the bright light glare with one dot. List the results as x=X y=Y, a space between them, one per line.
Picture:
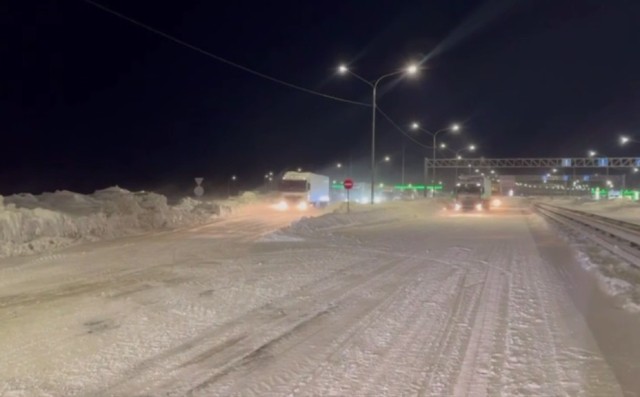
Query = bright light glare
x=281 y=206
x=302 y=206
x=443 y=145
x=459 y=157
x=624 y=139
x=343 y=69
x=457 y=207
x=412 y=69
x=415 y=126
x=339 y=165
x=592 y=153
x=472 y=147
x=496 y=203
x=479 y=207
x=387 y=158
x=455 y=127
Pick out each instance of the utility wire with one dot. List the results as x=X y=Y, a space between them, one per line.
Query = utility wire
x=218 y=58
x=246 y=69
x=401 y=130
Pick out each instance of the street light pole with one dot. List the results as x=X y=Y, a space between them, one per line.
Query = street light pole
x=232 y=179
x=433 y=170
x=412 y=69
x=458 y=157
x=416 y=126
x=403 y=152
x=373 y=141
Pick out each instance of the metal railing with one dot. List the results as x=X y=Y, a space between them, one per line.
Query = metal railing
x=619 y=237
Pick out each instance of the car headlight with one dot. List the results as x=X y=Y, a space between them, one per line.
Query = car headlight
x=302 y=206
x=496 y=203
x=457 y=207
x=479 y=206
x=282 y=206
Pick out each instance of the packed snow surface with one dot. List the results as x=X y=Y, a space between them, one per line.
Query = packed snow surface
x=392 y=300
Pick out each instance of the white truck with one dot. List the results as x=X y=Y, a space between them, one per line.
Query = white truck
x=300 y=190
x=472 y=192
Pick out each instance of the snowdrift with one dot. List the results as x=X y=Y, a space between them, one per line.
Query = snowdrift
x=619 y=208
x=32 y=224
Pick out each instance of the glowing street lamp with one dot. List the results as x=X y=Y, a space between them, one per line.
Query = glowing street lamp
x=592 y=154
x=409 y=70
x=458 y=156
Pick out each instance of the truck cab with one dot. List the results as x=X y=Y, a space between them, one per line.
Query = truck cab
x=472 y=194
x=301 y=190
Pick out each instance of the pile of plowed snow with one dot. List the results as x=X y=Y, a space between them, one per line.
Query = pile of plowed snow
x=619 y=208
x=364 y=215
x=32 y=224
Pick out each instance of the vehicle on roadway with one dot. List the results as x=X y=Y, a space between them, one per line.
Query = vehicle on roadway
x=473 y=193
x=301 y=190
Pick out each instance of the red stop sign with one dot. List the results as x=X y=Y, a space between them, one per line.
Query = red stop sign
x=348 y=184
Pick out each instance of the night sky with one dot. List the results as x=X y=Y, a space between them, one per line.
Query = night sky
x=89 y=100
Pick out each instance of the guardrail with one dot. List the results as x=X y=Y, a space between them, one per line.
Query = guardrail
x=620 y=237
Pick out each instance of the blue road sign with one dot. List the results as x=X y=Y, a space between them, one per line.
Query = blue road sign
x=603 y=162
x=566 y=162
x=585 y=178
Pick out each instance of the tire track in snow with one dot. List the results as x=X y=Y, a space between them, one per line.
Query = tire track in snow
x=529 y=353
x=405 y=334
x=441 y=352
x=298 y=360
x=266 y=324
x=475 y=369
x=378 y=283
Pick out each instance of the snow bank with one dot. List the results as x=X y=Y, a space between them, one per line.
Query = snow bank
x=621 y=208
x=363 y=215
x=32 y=224
x=614 y=276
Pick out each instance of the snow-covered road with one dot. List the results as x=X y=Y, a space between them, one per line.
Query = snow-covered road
x=398 y=300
